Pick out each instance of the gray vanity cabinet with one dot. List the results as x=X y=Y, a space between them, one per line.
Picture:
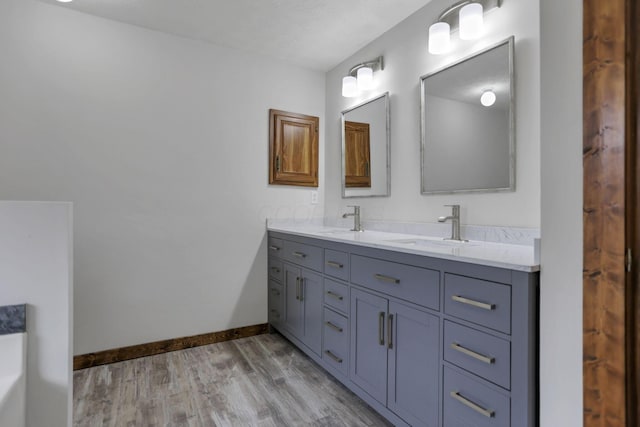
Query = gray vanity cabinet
x=303 y=305
x=425 y=341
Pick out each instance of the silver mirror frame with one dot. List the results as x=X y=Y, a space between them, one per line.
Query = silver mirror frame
x=388 y=147
x=510 y=42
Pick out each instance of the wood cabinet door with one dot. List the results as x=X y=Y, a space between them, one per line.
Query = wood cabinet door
x=368 y=367
x=414 y=358
x=293 y=309
x=293 y=146
x=311 y=288
x=357 y=155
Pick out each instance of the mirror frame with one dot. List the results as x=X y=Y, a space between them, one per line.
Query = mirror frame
x=388 y=148
x=510 y=43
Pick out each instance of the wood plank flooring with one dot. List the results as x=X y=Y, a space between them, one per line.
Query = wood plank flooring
x=258 y=381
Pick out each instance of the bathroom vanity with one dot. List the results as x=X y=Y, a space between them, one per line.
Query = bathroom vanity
x=428 y=332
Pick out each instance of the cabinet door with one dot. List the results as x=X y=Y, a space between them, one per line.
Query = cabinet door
x=293 y=309
x=413 y=364
x=311 y=300
x=368 y=367
x=276 y=303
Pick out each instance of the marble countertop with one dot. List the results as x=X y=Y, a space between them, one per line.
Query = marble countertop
x=502 y=255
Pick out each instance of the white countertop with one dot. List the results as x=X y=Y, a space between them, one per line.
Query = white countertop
x=502 y=255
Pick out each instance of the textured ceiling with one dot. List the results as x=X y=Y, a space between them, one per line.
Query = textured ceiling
x=316 y=34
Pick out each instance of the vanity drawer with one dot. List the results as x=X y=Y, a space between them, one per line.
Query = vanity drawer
x=482 y=354
x=275 y=269
x=336 y=295
x=276 y=303
x=305 y=255
x=275 y=246
x=335 y=351
x=478 y=301
x=336 y=264
x=414 y=284
x=469 y=403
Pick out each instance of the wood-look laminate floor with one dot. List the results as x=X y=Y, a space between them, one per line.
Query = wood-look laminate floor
x=258 y=381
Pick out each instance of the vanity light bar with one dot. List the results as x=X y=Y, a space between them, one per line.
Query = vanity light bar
x=360 y=77
x=451 y=14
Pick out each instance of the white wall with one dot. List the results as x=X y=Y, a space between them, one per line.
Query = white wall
x=36 y=268
x=404 y=48
x=561 y=232
x=161 y=143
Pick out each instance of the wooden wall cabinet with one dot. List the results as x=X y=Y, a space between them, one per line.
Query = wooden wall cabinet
x=293 y=149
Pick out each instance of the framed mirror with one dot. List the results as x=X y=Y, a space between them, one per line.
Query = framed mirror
x=467 y=124
x=365 y=149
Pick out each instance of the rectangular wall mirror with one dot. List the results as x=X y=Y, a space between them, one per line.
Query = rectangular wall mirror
x=365 y=149
x=467 y=121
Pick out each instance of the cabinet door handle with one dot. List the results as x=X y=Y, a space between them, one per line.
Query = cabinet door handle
x=333 y=356
x=381 y=327
x=386 y=278
x=299 y=254
x=481 y=357
x=466 y=402
x=275 y=291
x=301 y=288
x=334 y=264
x=390 y=332
x=274 y=248
x=298 y=288
x=334 y=327
x=474 y=303
x=334 y=295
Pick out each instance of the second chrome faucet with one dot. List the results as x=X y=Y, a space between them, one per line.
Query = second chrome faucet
x=357 y=226
x=455 y=222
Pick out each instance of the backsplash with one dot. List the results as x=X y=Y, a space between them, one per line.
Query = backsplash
x=496 y=234
x=13 y=319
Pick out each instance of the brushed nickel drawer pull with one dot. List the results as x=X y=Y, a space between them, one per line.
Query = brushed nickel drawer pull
x=274 y=248
x=390 y=332
x=299 y=254
x=334 y=264
x=334 y=295
x=478 y=356
x=386 y=278
x=466 y=402
x=333 y=356
x=381 y=327
x=276 y=269
x=474 y=303
x=275 y=291
x=334 y=327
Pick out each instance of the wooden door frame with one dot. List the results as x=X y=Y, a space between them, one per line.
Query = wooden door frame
x=610 y=64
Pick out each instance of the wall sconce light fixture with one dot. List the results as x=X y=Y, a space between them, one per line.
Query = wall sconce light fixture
x=360 y=77
x=467 y=15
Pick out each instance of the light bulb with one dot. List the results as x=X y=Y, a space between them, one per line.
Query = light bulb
x=488 y=98
x=365 y=78
x=349 y=87
x=471 y=21
x=439 y=38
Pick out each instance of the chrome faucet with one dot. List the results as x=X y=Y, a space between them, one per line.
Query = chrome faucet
x=356 y=218
x=455 y=222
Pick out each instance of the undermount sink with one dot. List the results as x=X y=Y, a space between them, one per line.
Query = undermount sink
x=434 y=243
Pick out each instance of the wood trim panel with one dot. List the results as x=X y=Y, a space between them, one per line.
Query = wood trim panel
x=604 y=298
x=158 y=347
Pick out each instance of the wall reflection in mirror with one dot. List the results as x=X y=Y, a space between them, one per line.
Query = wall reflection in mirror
x=365 y=149
x=467 y=123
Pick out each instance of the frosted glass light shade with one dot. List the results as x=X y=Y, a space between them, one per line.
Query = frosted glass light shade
x=439 y=38
x=365 y=78
x=349 y=87
x=471 y=21
x=488 y=98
